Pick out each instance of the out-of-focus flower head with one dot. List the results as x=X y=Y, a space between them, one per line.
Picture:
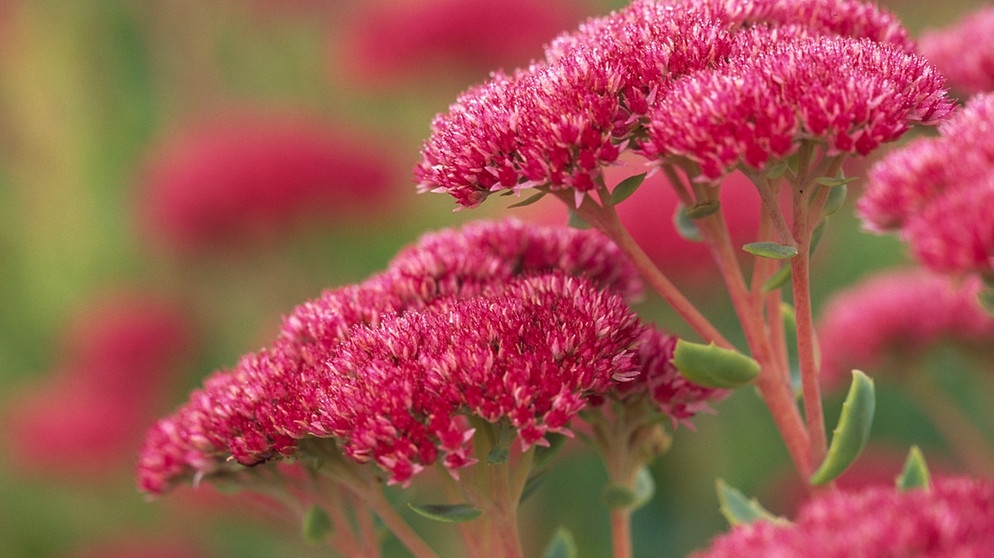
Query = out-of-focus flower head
x=556 y=123
x=389 y=41
x=952 y=518
x=897 y=316
x=937 y=193
x=964 y=52
x=247 y=174
x=118 y=357
x=256 y=411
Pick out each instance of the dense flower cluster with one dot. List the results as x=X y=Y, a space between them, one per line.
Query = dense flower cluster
x=898 y=314
x=500 y=321
x=248 y=174
x=938 y=193
x=835 y=71
x=964 y=53
x=952 y=518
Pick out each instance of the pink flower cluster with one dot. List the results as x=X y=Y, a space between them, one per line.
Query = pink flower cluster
x=719 y=84
x=499 y=321
x=938 y=193
x=955 y=517
x=119 y=359
x=247 y=175
x=964 y=52
x=436 y=38
x=898 y=315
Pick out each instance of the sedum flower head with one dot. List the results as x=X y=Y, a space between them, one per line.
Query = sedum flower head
x=643 y=69
x=784 y=87
x=937 y=193
x=897 y=315
x=260 y=409
x=527 y=353
x=964 y=52
x=953 y=518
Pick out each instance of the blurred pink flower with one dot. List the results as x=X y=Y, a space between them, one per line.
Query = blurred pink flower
x=250 y=174
x=952 y=518
x=964 y=52
x=897 y=316
x=118 y=364
x=384 y=42
x=938 y=193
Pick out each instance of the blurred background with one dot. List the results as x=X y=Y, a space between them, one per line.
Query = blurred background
x=177 y=175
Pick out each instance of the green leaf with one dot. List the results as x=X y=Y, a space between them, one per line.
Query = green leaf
x=618 y=496
x=561 y=545
x=626 y=188
x=576 y=221
x=685 y=226
x=778 y=279
x=833 y=182
x=776 y=171
x=316 y=525
x=738 y=509
x=915 y=472
x=446 y=513
x=544 y=454
x=986 y=298
x=852 y=432
x=817 y=234
x=534 y=481
x=703 y=209
x=836 y=197
x=529 y=200
x=712 y=366
x=771 y=250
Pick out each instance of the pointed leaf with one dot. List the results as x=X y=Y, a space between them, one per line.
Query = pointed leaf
x=577 y=222
x=685 y=226
x=738 y=509
x=316 y=525
x=986 y=298
x=531 y=485
x=702 y=209
x=833 y=182
x=446 y=513
x=836 y=197
x=771 y=250
x=778 y=279
x=618 y=496
x=776 y=171
x=915 y=472
x=712 y=366
x=561 y=545
x=852 y=432
x=544 y=454
x=529 y=200
x=626 y=188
